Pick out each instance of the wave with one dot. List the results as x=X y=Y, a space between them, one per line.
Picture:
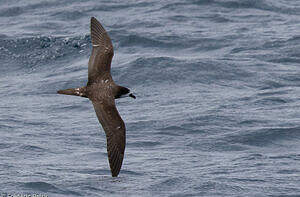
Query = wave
x=41 y=186
x=265 y=137
x=46 y=53
x=280 y=7
x=49 y=188
x=24 y=54
x=11 y=11
x=284 y=7
x=171 y=70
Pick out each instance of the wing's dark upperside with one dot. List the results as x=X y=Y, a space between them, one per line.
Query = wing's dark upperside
x=102 y=52
x=114 y=128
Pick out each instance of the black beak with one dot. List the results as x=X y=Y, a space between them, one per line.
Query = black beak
x=131 y=95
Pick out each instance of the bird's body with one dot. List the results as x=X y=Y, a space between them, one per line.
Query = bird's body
x=102 y=91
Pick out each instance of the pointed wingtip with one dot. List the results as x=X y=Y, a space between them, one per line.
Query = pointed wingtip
x=115 y=175
x=93 y=19
x=94 y=22
x=98 y=32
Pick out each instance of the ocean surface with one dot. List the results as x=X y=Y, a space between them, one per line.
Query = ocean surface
x=218 y=98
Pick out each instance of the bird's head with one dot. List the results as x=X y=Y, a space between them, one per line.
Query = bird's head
x=124 y=92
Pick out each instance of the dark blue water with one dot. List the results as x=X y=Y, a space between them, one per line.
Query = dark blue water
x=217 y=113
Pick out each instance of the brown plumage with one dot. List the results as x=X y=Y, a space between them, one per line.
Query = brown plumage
x=102 y=91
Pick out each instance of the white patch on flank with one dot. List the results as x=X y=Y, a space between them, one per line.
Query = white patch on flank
x=96 y=45
x=106 y=81
x=118 y=127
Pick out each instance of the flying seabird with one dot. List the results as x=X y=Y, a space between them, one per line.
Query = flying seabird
x=102 y=91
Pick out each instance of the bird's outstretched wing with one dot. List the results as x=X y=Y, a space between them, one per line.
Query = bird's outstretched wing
x=114 y=128
x=102 y=52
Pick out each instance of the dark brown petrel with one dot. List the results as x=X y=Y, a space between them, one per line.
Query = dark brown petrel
x=102 y=91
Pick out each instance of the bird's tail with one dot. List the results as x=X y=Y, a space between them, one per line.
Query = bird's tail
x=74 y=91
